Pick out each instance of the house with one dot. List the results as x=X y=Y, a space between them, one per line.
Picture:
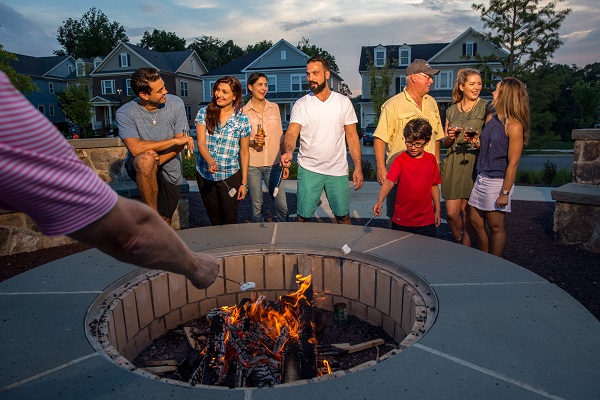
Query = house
x=111 y=79
x=449 y=58
x=285 y=67
x=50 y=75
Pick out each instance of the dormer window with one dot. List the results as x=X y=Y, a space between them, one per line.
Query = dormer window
x=96 y=63
x=404 y=55
x=379 y=57
x=80 y=65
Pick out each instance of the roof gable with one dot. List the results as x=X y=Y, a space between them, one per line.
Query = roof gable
x=42 y=66
x=449 y=52
x=169 y=61
x=274 y=57
x=236 y=66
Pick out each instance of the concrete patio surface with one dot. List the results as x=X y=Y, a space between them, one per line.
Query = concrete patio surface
x=502 y=332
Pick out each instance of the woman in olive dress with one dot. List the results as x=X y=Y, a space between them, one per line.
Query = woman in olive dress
x=458 y=168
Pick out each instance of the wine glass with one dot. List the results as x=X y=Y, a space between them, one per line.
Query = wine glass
x=471 y=132
x=457 y=130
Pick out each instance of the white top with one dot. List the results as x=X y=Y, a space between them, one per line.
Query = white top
x=322 y=136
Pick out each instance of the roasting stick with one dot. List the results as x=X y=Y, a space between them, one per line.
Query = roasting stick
x=244 y=286
x=347 y=248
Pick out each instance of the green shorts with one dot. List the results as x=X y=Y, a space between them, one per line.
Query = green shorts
x=310 y=187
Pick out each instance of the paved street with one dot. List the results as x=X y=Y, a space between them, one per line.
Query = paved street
x=531 y=162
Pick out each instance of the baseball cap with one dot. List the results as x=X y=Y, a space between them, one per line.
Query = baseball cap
x=419 y=66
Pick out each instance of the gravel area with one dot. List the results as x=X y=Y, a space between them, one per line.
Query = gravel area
x=530 y=244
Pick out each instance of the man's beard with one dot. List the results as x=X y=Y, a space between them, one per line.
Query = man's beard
x=319 y=88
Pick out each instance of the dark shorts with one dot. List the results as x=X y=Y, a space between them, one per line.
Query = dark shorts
x=427 y=230
x=168 y=194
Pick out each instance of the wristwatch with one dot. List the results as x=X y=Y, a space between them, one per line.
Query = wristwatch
x=245 y=184
x=505 y=191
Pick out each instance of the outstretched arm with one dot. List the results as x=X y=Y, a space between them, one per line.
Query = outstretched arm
x=289 y=144
x=132 y=232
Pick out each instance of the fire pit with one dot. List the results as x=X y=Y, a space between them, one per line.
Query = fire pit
x=133 y=312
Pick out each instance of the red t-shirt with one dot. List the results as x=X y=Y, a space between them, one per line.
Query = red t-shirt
x=415 y=177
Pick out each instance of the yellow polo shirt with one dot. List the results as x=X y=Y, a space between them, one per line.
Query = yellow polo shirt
x=396 y=112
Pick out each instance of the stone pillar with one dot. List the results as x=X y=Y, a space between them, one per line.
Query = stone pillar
x=577 y=208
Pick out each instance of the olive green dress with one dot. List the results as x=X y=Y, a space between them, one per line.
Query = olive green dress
x=458 y=168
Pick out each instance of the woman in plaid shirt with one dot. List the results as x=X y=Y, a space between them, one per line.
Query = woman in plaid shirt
x=223 y=142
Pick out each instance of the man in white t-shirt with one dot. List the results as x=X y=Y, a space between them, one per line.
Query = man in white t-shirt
x=325 y=121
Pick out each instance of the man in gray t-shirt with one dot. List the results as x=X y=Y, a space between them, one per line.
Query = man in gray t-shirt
x=152 y=128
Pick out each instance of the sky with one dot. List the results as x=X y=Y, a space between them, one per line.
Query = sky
x=341 y=27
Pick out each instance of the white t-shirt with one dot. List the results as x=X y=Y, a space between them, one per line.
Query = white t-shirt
x=322 y=136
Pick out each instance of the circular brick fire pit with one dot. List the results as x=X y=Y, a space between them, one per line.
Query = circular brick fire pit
x=140 y=307
x=498 y=331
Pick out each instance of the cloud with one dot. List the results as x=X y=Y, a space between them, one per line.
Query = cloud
x=19 y=34
x=311 y=22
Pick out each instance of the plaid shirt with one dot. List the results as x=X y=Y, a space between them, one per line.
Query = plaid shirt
x=223 y=145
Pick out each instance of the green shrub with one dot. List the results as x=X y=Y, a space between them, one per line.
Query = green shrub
x=293 y=171
x=548 y=173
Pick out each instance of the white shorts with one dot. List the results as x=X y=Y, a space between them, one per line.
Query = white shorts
x=485 y=193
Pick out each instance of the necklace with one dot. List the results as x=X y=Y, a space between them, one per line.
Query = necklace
x=155 y=116
x=463 y=107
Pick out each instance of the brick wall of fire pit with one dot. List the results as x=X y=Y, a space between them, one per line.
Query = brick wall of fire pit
x=127 y=318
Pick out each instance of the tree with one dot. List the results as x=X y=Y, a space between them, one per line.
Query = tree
x=21 y=82
x=93 y=35
x=214 y=53
x=314 y=51
x=162 y=41
x=380 y=79
x=75 y=104
x=263 y=45
x=529 y=34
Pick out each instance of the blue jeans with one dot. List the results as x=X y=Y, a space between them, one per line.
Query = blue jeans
x=270 y=175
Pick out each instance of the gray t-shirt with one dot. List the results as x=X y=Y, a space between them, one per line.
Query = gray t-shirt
x=134 y=121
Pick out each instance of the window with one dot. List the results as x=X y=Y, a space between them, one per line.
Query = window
x=50 y=87
x=128 y=89
x=283 y=54
x=193 y=65
x=298 y=83
x=443 y=80
x=51 y=110
x=188 y=113
x=379 y=58
x=108 y=87
x=272 y=79
x=244 y=87
x=124 y=60
x=70 y=68
x=469 y=49
x=209 y=90
x=80 y=65
x=400 y=83
x=183 y=88
x=42 y=110
x=96 y=63
x=404 y=57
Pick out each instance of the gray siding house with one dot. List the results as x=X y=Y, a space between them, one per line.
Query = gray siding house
x=181 y=71
x=50 y=75
x=449 y=58
x=285 y=67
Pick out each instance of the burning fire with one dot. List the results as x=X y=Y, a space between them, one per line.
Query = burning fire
x=254 y=338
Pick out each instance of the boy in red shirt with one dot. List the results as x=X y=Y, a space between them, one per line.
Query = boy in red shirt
x=417 y=207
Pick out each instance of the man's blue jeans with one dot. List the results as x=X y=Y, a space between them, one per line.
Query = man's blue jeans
x=270 y=175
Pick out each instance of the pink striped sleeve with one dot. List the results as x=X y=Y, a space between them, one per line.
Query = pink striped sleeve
x=40 y=174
